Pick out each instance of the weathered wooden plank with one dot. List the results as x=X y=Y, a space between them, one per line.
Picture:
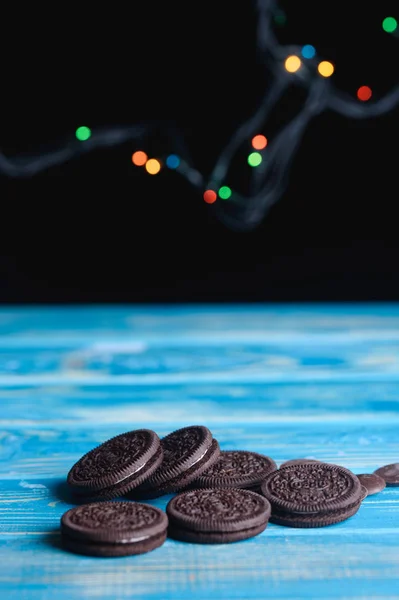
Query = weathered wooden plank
x=315 y=565
x=288 y=381
x=263 y=358
x=222 y=404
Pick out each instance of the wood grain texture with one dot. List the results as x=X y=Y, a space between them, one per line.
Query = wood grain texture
x=289 y=381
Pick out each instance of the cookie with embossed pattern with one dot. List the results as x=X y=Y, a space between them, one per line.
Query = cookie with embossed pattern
x=116 y=466
x=372 y=482
x=187 y=453
x=211 y=516
x=312 y=494
x=390 y=474
x=113 y=529
x=297 y=461
x=236 y=469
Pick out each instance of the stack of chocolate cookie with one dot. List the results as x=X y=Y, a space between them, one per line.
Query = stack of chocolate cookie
x=142 y=465
x=222 y=496
x=312 y=494
x=113 y=528
x=217 y=516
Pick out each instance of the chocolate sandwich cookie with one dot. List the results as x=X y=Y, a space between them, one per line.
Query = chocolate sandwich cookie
x=217 y=516
x=113 y=529
x=365 y=492
x=297 y=461
x=187 y=453
x=312 y=494
x=390 y=474
x=236 y=469
x=372 y=482
x=116 y=466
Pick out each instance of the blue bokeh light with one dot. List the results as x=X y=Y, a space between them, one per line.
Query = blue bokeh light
x=173 y=161
x=308 y=51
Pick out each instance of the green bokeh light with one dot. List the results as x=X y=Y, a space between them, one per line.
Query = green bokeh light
x=389 y=24
x=83 y=133
x=280 y=19
x=254 y=159
x=225 y=192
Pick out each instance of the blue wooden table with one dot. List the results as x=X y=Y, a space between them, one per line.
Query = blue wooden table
x=290 y=381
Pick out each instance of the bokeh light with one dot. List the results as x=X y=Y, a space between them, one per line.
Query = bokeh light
x=225 y=192
x=172 y=161
x=139 y=158
x=389 y=24
x=152 y=166
x=254 y=159
x=308 y=51
x=83 y=133
x=210 y=196
x=364 y=93
x=292 y=63
x=325 y=68
x=259 y=142
x=280 y=18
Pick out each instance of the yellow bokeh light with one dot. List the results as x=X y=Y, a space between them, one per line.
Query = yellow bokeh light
x=325 y=68
x=292 y=63
x=152 y=166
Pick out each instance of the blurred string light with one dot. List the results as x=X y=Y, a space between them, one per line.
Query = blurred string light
x=172 y=161
x=210 y=196
x=293 y=63
x=139 y=158
x=269 y=159
x=259 y=142
x=152 y=166
x=325 y=68
x=225 y=192
x=254 y=159
x=389 y=24
x=83 y=133
x=308 y=51
x=280 y=18
x=364 y=93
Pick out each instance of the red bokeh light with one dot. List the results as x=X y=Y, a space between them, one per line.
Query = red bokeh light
x=364 y=93
x=210 y=196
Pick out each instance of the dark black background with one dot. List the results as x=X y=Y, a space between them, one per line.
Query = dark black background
x=100 y=230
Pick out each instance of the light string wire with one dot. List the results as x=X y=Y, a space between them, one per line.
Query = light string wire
x=270 y=177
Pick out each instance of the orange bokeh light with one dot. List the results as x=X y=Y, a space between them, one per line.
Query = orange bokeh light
x=364 y=93
x=139 y=158
x=259 y=142
x=210 y=196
